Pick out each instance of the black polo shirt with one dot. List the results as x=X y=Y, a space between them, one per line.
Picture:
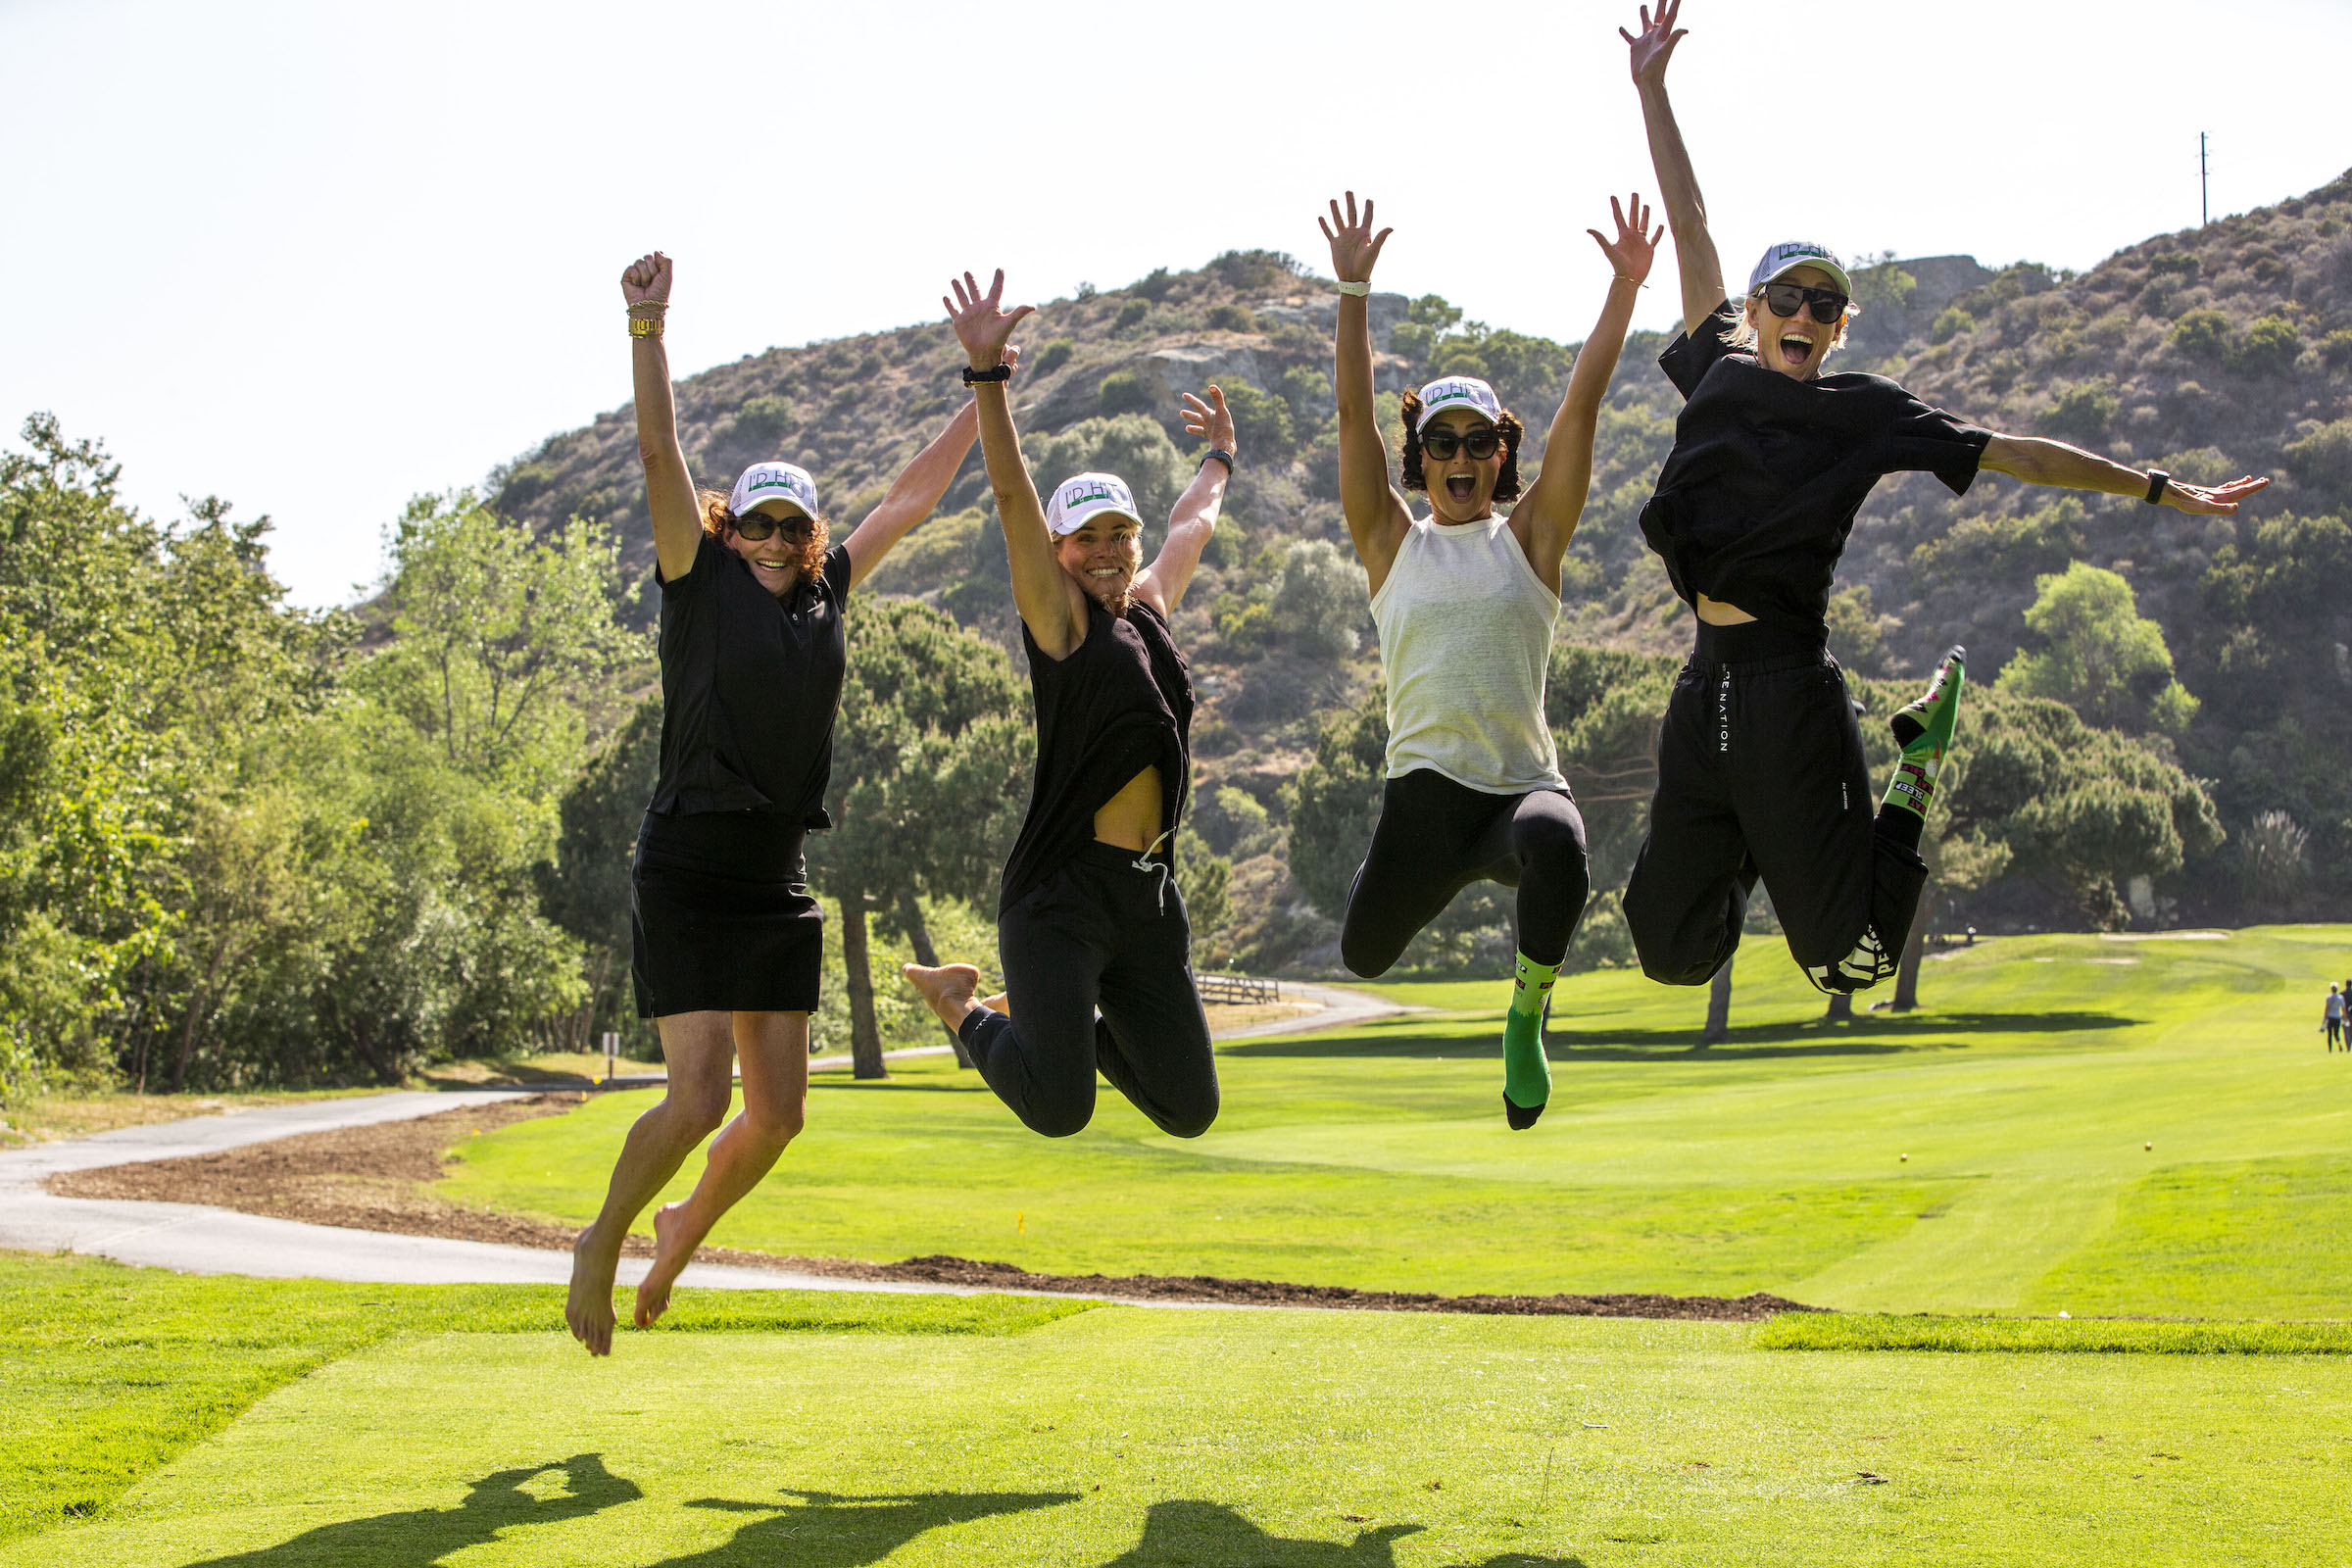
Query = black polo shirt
x=1757 y=500
x=751 y=684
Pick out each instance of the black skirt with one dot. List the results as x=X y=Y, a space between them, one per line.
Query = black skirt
x=720 y=918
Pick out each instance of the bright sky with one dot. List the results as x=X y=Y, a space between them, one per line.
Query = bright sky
x=319 y=259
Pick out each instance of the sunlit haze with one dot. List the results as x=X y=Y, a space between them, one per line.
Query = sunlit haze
x=319 y=259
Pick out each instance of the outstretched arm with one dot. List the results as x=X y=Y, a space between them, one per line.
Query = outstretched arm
x=1195 y=515
x=1052 y=606
x=916 y=491
x=2037 y=459
x=669 y=485
x=1545 y=519
x=1378 y=517
x=1678 y=183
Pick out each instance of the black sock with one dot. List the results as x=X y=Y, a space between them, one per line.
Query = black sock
x=1902 y=826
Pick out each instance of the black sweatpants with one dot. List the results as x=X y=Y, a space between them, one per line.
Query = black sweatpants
x=1436 y=837
x=1097 y=933
x=1761 y=772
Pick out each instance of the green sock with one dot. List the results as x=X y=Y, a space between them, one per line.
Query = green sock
x=1923 y=731
x=1526 y=1075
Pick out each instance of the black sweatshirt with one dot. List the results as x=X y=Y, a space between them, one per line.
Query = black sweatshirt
x=750 y=685
x=1120 y=702
x=1756 y=499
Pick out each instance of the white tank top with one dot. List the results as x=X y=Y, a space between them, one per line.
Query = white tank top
x=1465 y=634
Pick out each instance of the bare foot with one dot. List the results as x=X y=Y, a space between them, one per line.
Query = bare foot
x=1000 y=1002
x=948 y=989
x=671 y=1254
x=589 y=1308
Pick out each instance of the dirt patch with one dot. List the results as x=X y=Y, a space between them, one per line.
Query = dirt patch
x=380 y=1178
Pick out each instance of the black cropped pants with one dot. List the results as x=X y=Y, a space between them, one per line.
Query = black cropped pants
x=1761 y=775
x=1103 y=932
x=1436 y=837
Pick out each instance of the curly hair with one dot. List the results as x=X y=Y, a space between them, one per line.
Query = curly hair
x=809 y=548
x=1507 y=483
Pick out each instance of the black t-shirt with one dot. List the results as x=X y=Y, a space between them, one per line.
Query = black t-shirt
x=1120 y=702
x=749 y=687
x=1755 y=501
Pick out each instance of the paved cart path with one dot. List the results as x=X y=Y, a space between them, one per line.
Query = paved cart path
x=198 y=1239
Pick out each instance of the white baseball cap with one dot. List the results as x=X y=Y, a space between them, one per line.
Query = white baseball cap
x=1789 y=255
x=1084 y=497
x=764 y=482
x=1459 y=392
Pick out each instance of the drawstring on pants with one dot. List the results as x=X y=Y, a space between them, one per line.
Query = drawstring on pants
x=1145 y=863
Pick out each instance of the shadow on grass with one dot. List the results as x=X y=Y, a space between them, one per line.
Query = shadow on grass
x=835 y=1530
x=1870 y=1034
x=418 y=1537
x=1185 y=1532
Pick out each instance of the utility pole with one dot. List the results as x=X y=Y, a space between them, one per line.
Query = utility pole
x=2204 y=186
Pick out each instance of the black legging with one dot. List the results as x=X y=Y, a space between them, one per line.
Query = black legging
x=1436 y=837
x=1099 y=931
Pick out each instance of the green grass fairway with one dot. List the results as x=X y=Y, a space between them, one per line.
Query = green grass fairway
x=1247 y=1439
x=2023 y=1095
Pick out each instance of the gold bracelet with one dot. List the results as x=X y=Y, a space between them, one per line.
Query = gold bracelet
x=645 y=326
x=659 y=306
x=1637 y=282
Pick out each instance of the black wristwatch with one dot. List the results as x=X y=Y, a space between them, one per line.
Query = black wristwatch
x=2157 y=481
x=972 y=377
x=1221 y=455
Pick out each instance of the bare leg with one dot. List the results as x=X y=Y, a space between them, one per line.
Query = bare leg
x=774 y=1048
x=701 y=1051
x=949 y=990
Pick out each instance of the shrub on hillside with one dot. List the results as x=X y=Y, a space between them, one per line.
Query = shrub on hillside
x=2202 y=334
x=2083 y=411
x=1131 y=315
x=2321 y=458
x=1321 y=606
x=1052 y=357
x=1950 y=322
x=1122 y=392
x=1231 y=318
x=1261 y=422
x=2268 y=347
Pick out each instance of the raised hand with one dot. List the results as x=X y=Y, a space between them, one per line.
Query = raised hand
x=1655 y=45
x=1211 y=420
x=1637 y=243
x=1354 y=247
x=647 y=280
x=981 y=325
x=2198 y=498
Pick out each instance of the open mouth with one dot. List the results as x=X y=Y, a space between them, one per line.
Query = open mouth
x=1461 y=487
x=1796 y=347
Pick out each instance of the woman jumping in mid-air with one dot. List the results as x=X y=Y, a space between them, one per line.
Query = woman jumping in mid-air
x=1089 y=914
x=1465 y=601
x=726 y=938
x=1760 y=771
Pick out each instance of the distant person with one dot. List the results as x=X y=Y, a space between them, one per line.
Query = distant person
x=1760 y=771
x=2333 y=1017
x=726 y=940
x=1088 y=914
x=1465 y=600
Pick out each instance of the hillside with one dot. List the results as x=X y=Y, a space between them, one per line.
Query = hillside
x=2210 y=352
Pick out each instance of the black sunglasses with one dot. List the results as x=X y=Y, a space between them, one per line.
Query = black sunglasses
x=755 y=526
x=1824 y=305
x=1442 y=444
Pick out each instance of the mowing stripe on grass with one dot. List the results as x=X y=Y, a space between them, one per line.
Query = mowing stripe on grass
x=1828 y=1331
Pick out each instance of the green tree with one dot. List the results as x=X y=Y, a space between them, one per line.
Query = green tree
x=931 y=762
x=2098 y=654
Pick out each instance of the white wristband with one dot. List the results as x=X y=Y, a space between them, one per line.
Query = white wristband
x=1360 y=290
